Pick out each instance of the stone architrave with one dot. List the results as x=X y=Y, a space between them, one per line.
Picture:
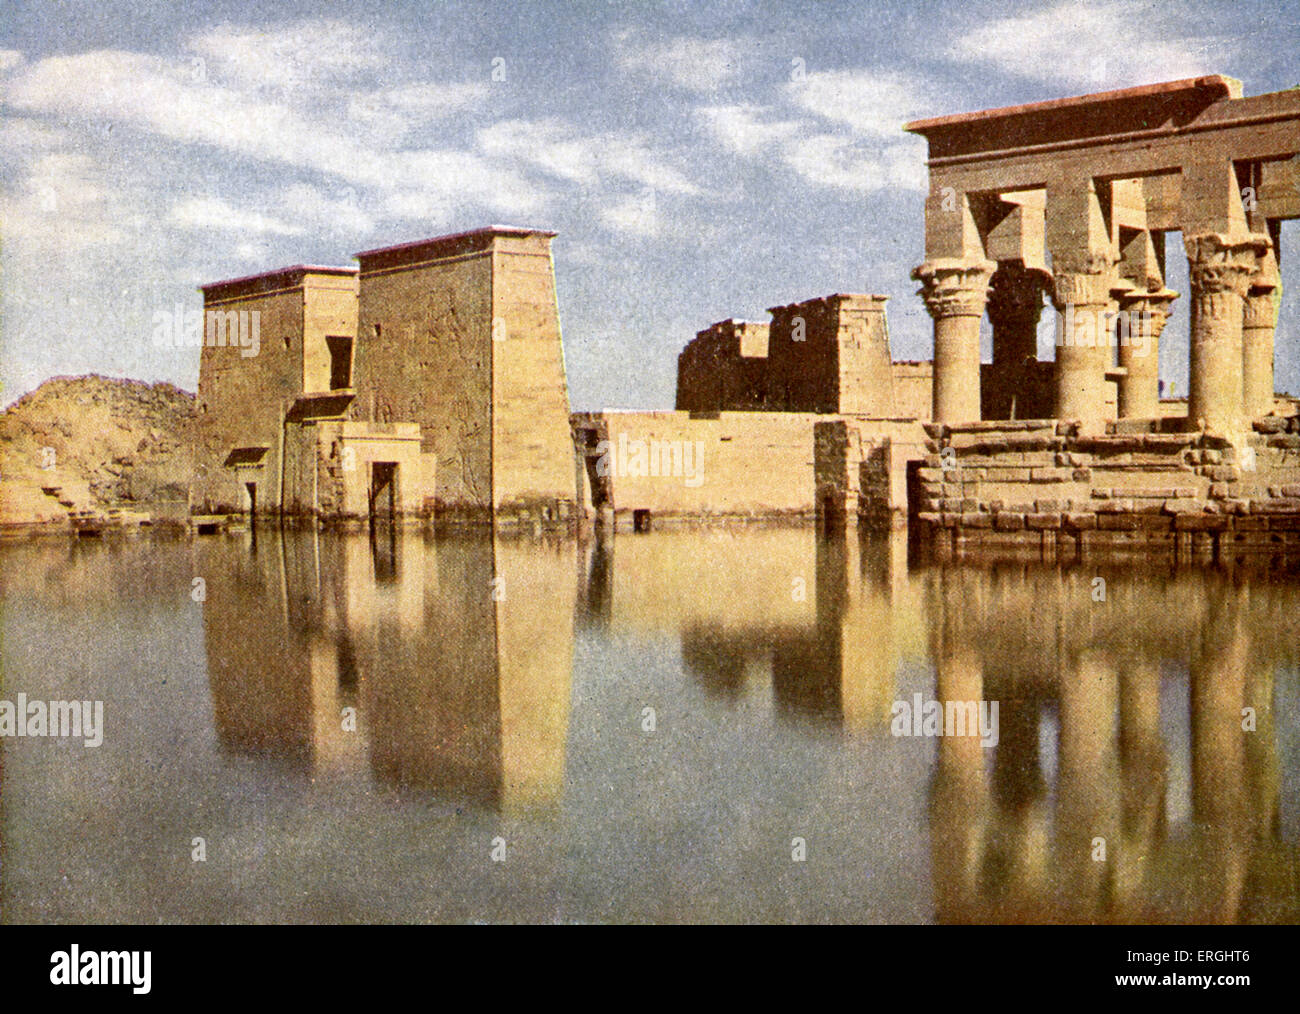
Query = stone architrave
x=955 y=292
x=1220 y=267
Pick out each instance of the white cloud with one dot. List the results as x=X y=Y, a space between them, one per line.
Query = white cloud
x=291 y=55
x=561 y=150
x=62 y=206
x=872 y=103
x=162 y=98
x=212 y=213
x=746 y=130
x=855 y=160
x=1097 y=46
x=833 y=161
x=338 y=213
x=9 y=59
x=700 y=65
x=635 y=215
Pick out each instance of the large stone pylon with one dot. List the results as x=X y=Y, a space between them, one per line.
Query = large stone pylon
x=955 y=292
x=1221 y=266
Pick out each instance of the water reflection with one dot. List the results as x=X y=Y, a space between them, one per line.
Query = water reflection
x=440 y=666
x=1147 y=743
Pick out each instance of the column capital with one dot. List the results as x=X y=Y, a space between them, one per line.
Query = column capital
x=1262 y=307
x=954 y=287
x=1084 y=279
x=1222 y=263
x=1158 y=305
x=1016 y=291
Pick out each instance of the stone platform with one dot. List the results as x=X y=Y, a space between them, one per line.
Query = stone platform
x=1045 y=486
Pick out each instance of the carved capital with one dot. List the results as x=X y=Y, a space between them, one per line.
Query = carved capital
x=1221 y=264
x=1016 y=292
x=954 y=288
x=1261 y=308
x=1147 y=305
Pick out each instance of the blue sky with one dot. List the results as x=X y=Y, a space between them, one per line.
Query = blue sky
x=698 y=160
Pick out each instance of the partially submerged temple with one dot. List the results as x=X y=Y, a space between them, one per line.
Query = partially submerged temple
x=429 y=382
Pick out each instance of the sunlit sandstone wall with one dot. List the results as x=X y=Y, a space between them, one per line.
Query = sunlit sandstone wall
x=741 y=464
x=461 y=335
x=242 y=399
x=913 y=389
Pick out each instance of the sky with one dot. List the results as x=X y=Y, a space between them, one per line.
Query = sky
x=698 y=160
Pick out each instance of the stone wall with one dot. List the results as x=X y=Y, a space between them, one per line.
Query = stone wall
x=724 y=369
x=914 y=389
x=1041 y=483
x=424 y=355
x=830 y=355
x=755 y=465
x=532 y=446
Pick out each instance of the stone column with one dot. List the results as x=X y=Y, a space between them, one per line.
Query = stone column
x=1146 y=313
x=955 y=292
x=1263 y=299
x=1221 y=267
x=1082 y=295
x=1015 y=306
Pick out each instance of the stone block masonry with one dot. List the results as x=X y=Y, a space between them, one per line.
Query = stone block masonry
x=1045 y=485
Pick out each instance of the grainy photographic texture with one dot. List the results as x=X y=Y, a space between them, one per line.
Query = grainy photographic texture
x=648 y=462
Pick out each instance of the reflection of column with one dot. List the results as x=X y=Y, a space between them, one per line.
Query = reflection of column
x=1088 y=789
x=1259 y=325
x=1143 y=765
x=1015 y=306
x=1220 y=268
x=959 y=800
x=1263 y=770
x=955 y=291
x=1219 y=791
x=1082 y=294
x=1139 y=389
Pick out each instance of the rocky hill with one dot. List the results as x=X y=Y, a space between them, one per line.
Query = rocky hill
x=82 y=450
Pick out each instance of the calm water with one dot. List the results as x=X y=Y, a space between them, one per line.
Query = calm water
x=499 y=691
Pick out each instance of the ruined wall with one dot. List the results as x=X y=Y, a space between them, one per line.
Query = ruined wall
x=830 y=355
x=532 y=448
x=861 y=470
x=724 y=369
x=424 y=355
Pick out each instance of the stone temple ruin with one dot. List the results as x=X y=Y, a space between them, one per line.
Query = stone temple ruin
x=429 y=381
